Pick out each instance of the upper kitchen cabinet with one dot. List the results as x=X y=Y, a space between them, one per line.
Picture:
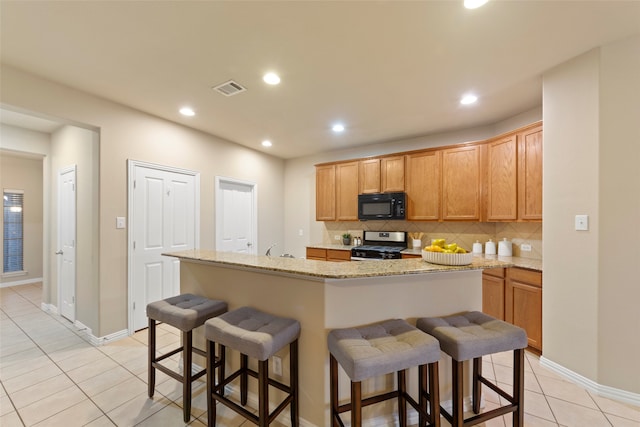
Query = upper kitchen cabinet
x=502 y=188
x=347 y=191
x=423 y=185
x=326 y=193
x=530 y=174
x=392 y=174
x=461 y=183
x=383 y=175
x=369 y=176
x=337 y=192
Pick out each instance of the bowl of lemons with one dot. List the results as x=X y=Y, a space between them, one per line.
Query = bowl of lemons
x=439 y=252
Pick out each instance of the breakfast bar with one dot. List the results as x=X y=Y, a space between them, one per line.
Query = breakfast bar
x=325 y=295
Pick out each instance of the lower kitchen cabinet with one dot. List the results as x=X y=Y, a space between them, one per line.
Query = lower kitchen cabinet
x=335 y=255
x=515 y=295
x=523 y=303
x=493 y=292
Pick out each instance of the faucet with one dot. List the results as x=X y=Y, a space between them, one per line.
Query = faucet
x=268 y=253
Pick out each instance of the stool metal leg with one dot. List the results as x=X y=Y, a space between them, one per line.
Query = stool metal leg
x=402 y=403
x=457 y=392
x=186 y=376
x=293 y=382
x=152 y=353
x=476 y=384
x=356 y=404
x=518 y=387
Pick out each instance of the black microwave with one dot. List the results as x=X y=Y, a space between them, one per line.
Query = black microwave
x=381 y=206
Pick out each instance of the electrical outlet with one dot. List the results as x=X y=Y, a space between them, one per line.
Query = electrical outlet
x=300 y=232
x=525 y=247
x=337 y=237
x=277 y=365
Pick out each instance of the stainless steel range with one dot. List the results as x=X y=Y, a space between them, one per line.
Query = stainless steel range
x=380 y=245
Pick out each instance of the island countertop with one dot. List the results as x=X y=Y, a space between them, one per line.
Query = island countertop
x=324 y=270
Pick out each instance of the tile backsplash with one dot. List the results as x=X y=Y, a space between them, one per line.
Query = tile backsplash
x=463 y=233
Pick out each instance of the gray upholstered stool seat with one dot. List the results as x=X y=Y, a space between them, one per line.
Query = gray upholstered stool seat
x=472 y=335
x=184 y=312
x=258 y=335
x=392 y=346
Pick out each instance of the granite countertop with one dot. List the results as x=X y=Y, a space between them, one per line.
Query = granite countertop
x=520 y=262
x=329 y=270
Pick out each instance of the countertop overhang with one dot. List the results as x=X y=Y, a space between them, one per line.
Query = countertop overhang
x=324 y=270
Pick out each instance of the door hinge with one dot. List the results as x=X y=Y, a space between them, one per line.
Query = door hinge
x=73 y=299
x=73 y=187
x=134 y=184
x=134 y=245
x=134 y=305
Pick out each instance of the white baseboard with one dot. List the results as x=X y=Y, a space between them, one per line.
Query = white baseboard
x=599 y=389
x=49 y=308
x=21 y=282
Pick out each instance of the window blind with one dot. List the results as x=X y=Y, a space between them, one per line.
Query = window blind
x=13 y=226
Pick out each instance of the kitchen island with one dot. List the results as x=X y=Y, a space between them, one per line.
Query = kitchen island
x=323 y=296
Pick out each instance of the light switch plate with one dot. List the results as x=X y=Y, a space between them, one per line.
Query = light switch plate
x=120 y=222
x=582 y=222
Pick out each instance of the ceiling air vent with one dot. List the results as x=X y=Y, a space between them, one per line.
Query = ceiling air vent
x=230 y=88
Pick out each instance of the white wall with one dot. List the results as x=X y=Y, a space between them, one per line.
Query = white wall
x=126 y=133
x=74 y=146
x=591 y=156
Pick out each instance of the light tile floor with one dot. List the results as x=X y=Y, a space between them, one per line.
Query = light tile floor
x=51 y=376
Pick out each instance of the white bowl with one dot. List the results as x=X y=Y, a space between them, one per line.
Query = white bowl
x=447 y=259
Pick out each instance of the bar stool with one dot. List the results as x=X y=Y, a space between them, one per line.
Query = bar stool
x=258 y=335
x=379 y=349
x=472 y=335
x=184 y=312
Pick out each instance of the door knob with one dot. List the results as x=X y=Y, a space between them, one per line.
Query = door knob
x=249 y=244
x=59 y=252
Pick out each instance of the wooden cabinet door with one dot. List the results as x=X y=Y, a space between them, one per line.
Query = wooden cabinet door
x=461 y=180
x=502 y=190
x=493 y=296
x=392 y=174
x=523 y=303
x=347 y=191
x=337 y=255
x=530 y=174
x=326 y=193
x=423 y=185
x=317 y=254
x=369 y=176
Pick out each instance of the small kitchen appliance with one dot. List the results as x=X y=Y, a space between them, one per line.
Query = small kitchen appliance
x=383 y=206
x=380 y=245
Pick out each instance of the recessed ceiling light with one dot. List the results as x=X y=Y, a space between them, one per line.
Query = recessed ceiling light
x=474 y=4
x=266 y=143
x=187 y=111
x=271 y=78
x=468 y=99
x=338 y=127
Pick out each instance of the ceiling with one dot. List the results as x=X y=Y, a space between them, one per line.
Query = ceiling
x=386 y=69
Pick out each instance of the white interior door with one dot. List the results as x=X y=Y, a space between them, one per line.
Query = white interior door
x=163 y=218
x=67 y=242
x=236 y=216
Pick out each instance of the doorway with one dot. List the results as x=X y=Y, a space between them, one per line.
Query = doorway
x=164 y=206
x=236 y=216
x=67 y=242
